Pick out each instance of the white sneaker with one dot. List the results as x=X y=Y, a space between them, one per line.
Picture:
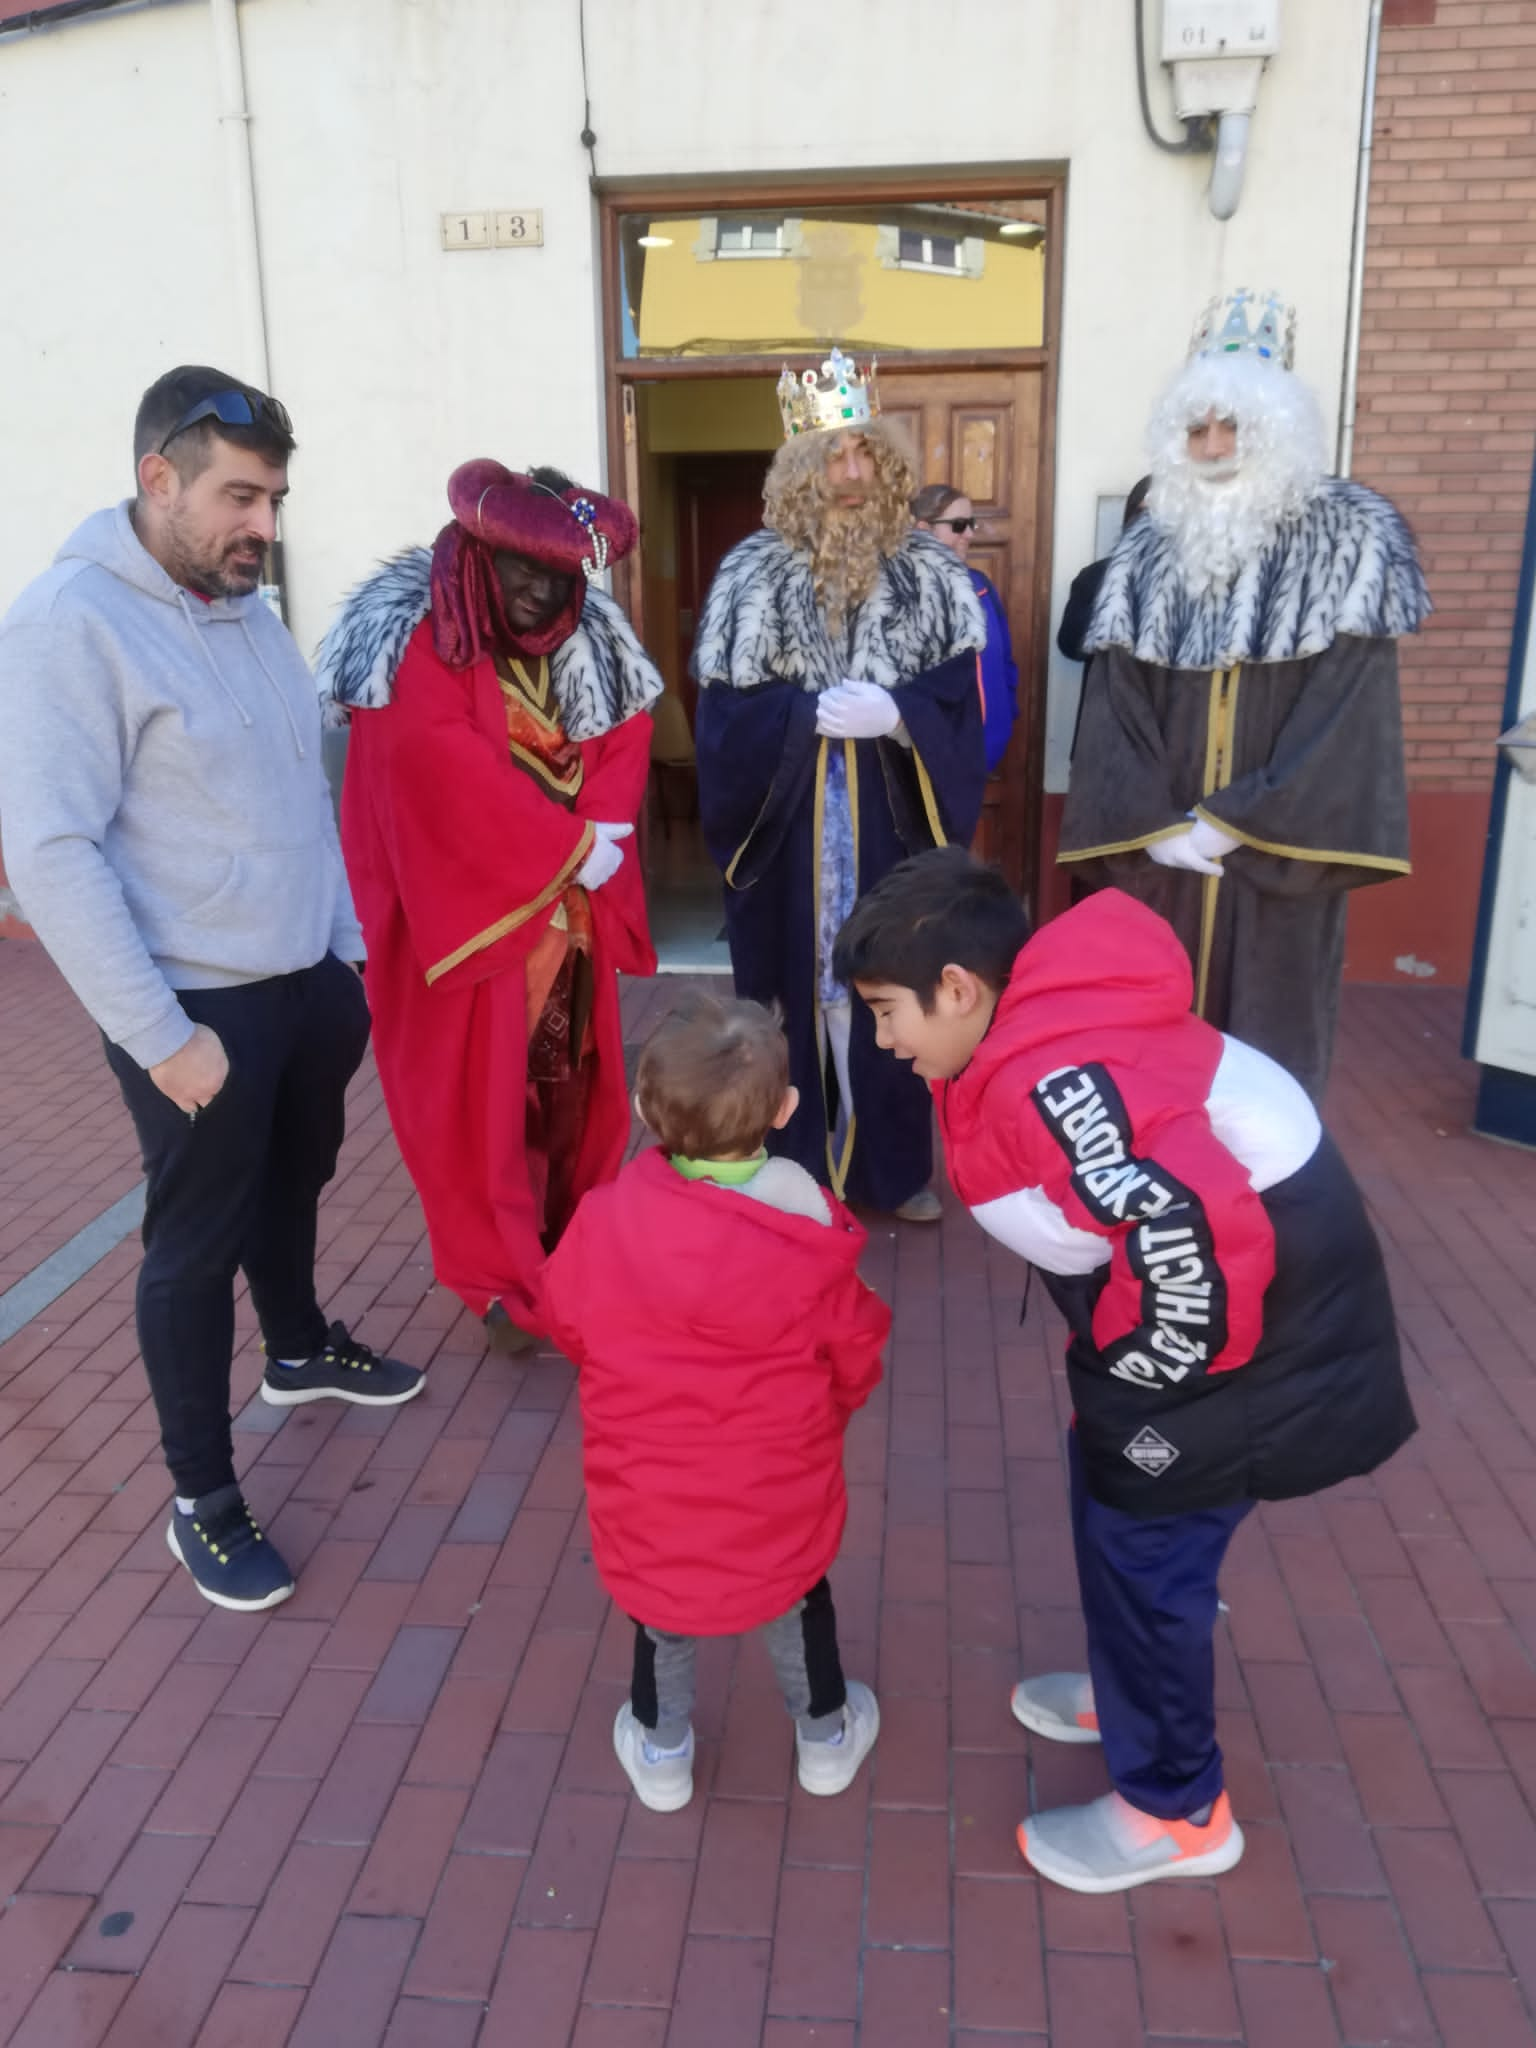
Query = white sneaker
x=1109 y=1845
x=1058 y=1705
x=830 y=1767
x=665 y=1785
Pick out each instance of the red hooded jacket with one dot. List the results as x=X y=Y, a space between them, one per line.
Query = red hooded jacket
x=722 y=1346
x=1190 y=1217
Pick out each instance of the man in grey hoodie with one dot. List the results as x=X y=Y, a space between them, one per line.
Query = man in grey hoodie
x=168 y=830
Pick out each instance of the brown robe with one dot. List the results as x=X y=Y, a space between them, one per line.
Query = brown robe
x=1302 y=761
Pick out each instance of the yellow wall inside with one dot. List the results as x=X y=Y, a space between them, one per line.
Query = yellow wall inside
x=715 y=416
x=835 y=289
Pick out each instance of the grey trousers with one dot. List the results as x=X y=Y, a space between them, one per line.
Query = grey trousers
x=802 y=1646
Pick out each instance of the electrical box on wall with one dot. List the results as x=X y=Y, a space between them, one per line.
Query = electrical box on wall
x=1220 y=28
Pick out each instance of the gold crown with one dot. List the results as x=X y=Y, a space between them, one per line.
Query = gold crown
x=834 y=396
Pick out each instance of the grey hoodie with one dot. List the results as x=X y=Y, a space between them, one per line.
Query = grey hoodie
x=164 y=814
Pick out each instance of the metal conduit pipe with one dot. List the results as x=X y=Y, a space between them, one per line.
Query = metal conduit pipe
x=1349 y=401
x=235 y=120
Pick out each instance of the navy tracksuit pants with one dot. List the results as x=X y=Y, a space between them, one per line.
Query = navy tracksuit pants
x=1149 y=1598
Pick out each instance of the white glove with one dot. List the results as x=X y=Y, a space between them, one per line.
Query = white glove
x=606 y=857
x=1210 y=840
x=1199 y=849
x=856 y=711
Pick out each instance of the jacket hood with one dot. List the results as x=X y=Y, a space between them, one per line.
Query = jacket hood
x=764 y=1267
x=1110 y=964
x=107 y=541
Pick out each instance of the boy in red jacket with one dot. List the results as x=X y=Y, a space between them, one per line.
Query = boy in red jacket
x=1232 y=1335
x=711 y=1302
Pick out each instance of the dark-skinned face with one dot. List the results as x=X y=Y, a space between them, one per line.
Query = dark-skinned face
x=531 y=593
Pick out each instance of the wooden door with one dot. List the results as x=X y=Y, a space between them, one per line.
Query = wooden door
x=719 y=502
x=981 y=432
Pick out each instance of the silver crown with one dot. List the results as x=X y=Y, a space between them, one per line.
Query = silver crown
x=1228 y=328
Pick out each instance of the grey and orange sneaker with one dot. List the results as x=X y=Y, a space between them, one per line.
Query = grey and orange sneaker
x=1057 y=1705
x=1110 y=1845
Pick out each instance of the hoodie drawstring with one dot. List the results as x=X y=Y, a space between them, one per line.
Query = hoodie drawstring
x=218 y=675
x=278 y=691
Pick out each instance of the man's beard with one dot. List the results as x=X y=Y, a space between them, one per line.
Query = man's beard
x=845 y=562
x=1218 y=517
x=1221 y=516
x=211 y=568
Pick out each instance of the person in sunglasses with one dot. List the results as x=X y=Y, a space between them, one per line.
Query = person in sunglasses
x=949 y=516
x=168 y=829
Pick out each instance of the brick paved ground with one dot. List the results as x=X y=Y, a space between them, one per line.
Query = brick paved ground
x=388 y=1812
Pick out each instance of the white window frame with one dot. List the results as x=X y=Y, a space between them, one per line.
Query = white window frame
x=972 y=253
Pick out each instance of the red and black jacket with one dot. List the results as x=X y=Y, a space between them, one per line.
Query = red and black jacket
x=1232 y=1329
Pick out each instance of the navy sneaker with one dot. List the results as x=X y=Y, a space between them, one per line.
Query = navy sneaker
x=220 y=1545
x=344 y=1371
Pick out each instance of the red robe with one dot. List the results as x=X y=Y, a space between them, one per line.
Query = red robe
x=461 y=861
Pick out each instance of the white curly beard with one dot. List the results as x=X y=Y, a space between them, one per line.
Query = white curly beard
x=1220 y=515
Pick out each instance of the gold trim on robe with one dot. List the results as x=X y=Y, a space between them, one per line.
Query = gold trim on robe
x=513 y=919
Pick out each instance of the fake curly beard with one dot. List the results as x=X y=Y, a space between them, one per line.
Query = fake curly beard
x=846 y=544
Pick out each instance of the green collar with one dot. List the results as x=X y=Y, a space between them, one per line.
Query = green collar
x=731 y=1173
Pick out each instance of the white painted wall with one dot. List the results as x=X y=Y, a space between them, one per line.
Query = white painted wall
x=371 y=117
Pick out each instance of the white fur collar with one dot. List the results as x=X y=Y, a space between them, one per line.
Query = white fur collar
x=600 y=676
x=1346 y=565
x=761 y=619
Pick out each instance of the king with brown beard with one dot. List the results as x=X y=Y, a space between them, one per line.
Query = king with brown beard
x=839 y=730
x=1239 y=762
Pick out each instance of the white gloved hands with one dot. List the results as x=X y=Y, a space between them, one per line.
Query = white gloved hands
x=1200 y=848
x=606 y=857
x=856 y=711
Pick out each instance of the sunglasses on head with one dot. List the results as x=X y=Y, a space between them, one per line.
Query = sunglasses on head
x=958 y=525
x=233 y=409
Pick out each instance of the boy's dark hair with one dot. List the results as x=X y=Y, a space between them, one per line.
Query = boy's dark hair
x=712 y=1079
x=171 y=397
x=938 y=909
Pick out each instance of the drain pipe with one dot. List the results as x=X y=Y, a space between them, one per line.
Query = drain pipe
x=235 y=120
x=240 y=175
x=1349 y=403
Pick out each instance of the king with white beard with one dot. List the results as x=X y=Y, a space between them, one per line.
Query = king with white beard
x=1240 y=759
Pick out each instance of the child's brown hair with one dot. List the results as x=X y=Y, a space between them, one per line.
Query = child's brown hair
x=712 y=1079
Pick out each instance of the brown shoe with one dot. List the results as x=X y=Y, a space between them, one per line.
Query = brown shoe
x=923 y=1207
x=506 y=1338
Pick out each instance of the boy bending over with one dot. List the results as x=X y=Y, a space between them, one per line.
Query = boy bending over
x=1232 y=1336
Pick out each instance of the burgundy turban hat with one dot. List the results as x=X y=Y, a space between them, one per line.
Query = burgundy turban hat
x=577 y=532
x=563 y=530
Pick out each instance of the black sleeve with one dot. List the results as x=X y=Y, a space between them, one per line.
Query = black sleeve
x=1075 y=620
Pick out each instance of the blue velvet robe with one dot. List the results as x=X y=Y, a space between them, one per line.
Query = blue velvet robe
x=762 y=781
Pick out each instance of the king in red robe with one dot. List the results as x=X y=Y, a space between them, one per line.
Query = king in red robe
x=499 y=746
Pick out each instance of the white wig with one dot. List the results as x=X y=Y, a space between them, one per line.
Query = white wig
x=1220 y=519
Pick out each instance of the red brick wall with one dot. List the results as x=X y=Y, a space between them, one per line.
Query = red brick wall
x=1447 y=420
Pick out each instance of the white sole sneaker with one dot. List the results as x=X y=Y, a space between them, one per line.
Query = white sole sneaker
x=1073 y=1847
x=272 y=1599
x=1049 y=1706
x=826 y=1768
x=665 y=1786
